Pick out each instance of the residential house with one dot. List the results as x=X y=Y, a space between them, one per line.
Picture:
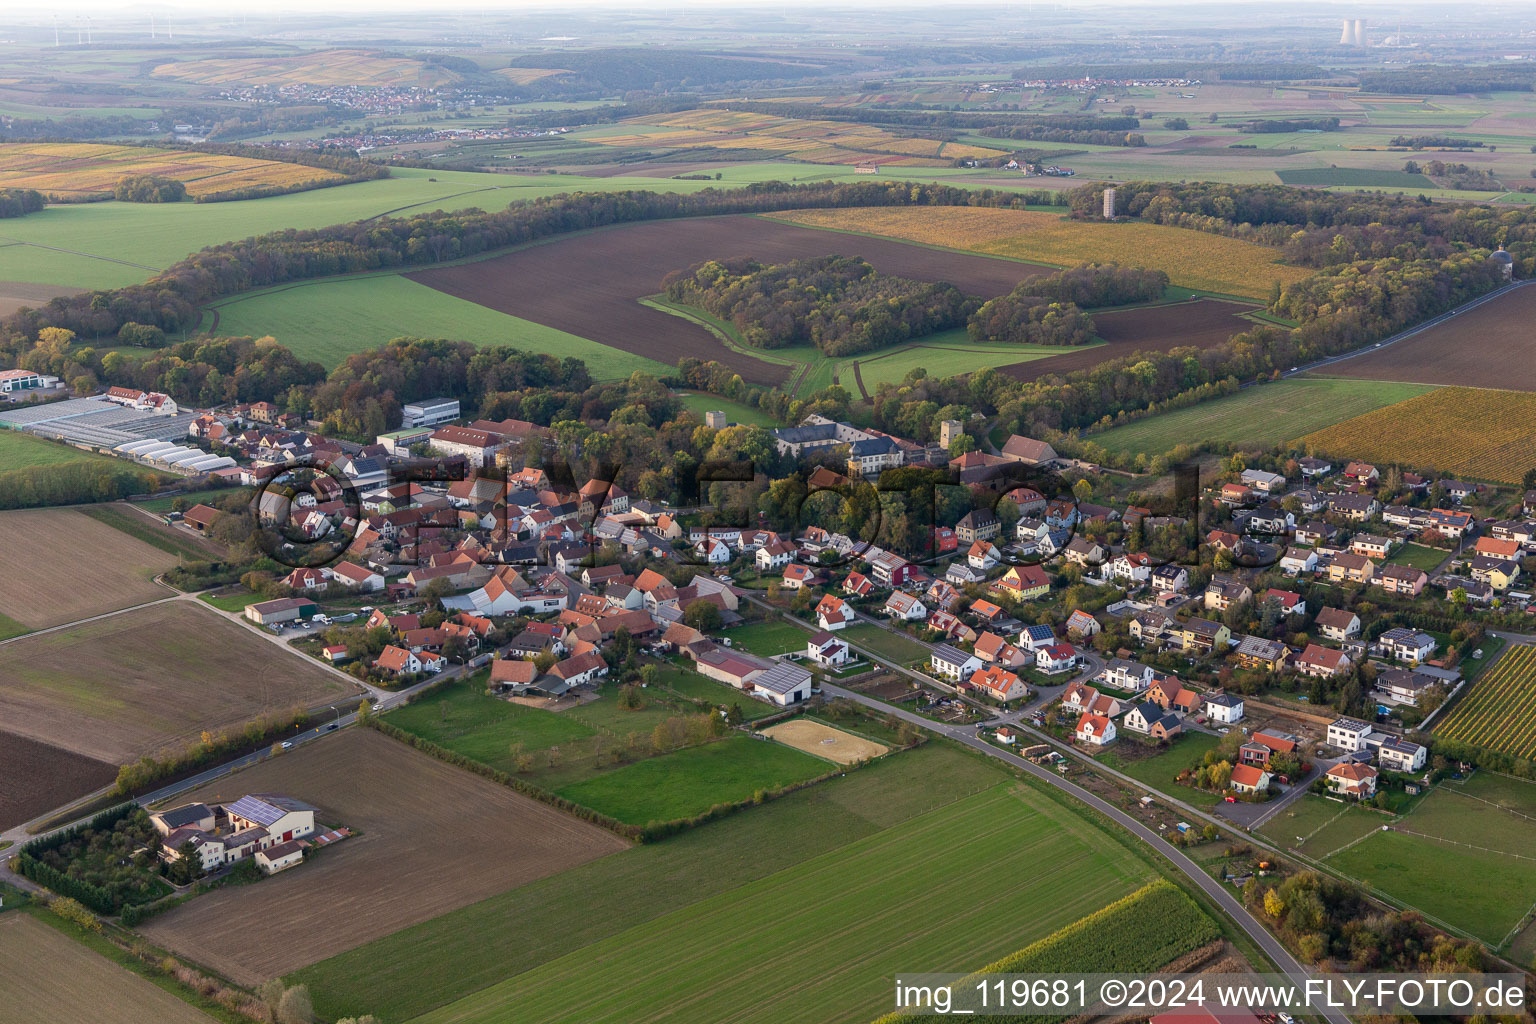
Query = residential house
x=1296 y=561
x=1127 y=675
x=1315 y=532
x=1022 y=583
x=1289 y=602
x=889 y=569
x=1225 y=591
x=1354 y=507
x=1314 y=469
x=978 y=524
x=1170 y=579
x=1351 y=568
x=1402 y=579
x=1338 y=624
x=993 y=649
x=580 y=669
x=1263 y=480
x=774 y=555
x=952 y=663
x=1028 y=451
x=905 y=607
x=1095 y=730
x=1348 y=734
x=1171 y=695
x=1224 y=708
x=1247 y=778
x=1400 y=755
x=1056 y=658
x=1079 y=697
x=983 y=555
x=1498 y=573
x=1370 y=545
x=1082 y=625
x=1038 y=637
x=1404 y=686
x=283 y=818
x=1321 y=661
x=998 y=683
x=833 y=613
x=1132 y=568
x=1151 y=720
x=826 y=650
x=357 y=577
x=1361 y=473
x=1408 y=645
x=1352 y=779
x=941 y=595
x=1261 y=653
x=1204 y=637
x=797 y=576
x=857 y=585
x=1030 y=533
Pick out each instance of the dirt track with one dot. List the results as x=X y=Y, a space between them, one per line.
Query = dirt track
x=587 y=284
x=1485 y=347
x=434 y=838
x=1203 y=323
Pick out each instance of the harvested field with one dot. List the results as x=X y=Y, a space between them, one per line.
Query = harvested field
x=40 y=777
x=130 y=684
x=588 y=284
x=50 y=551
x=77 y=170
x=403 y=802
x=1488 y=346
x=16 y=295
x=824 y=741
x=48 y=976
x=1203 y=323
x=318 y=67
x=1190 y=258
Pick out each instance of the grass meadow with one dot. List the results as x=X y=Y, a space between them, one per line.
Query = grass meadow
x=891 y=646
x=1266 y=415
x=330 y=319
x=24 y=451
x=859 y=912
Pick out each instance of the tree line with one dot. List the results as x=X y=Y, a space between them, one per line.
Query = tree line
x=18 y=202
x=1048 y=310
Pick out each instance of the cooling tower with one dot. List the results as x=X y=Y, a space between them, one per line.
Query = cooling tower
x=1359 y=31
x=1347 y=37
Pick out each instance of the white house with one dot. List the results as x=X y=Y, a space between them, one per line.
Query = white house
x=280 y=857
x=1056 y=658
x=1248 y=778
x=1399 y=755
x=713 y=550
x=350 y=574
x=833 y=613
x=826 y=650
x=1133 y=567
x=1296 y=561
x=1225 y=708
x=950 y=662
x=1348 y=734
x=1127 y=675
x=905 y=607
x=1096 y=730
x=774 y=555
x=1407 y=645
x=983 y=555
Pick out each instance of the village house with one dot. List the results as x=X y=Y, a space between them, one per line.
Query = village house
x=1323 y=662
x=1263 y=480
x=1370 y=545
x=857 y=585
x=1224 y=708
x=978 y=524
x=1127 y=675
x=833 y=613
x=1151 y=720
x=774 y=555
x=797 y=576
x=1170 y=579
x=1266 y=743
x=1204 y=637
x=1171 y=695
x=1095 y=730
x=826 y=650
x=1400 y=755
x=949 y=662
x=1402 y=579
x=1404 y=686
x=1082 y=625
x=1222 y=592
x=1028 y=451
x=1498 y=573
x=1408 y=645
x=889 y=569
x=905 y=607
x=1338 y=624
x=1352 y=779
x=994 y=649
x=1315 y=532
x=998 y=683
x=1132 y=568
x=1348 y=734
x=1247 y=778
x=1084 y=551
x=1022 y=583
x=1261 y=653
x=1353 y=507
x=1289 y=602
x=983 y=555
x=1351 y=568
x=1056 y=658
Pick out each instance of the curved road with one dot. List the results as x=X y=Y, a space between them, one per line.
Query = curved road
x=1214 y=889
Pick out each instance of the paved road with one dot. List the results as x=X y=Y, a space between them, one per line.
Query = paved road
x=1218 y=892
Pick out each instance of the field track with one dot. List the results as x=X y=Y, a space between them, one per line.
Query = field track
x=1203 y=323
x=1488 y=346
x=588 y=284
x=436 y=837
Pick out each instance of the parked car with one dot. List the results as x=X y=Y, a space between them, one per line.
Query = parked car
x=1231 y=799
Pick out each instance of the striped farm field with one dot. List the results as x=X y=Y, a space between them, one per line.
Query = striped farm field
x=1436 y=431
x=1499 y=711
x=1190 y=258
x=77 y=170
x=318 y=67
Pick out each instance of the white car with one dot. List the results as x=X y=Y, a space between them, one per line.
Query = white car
x=379 y=706
x=287 y=744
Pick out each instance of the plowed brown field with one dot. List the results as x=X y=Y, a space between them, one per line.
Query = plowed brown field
x=434 y=838
x=1488 y=346
x=1203 y=323
x=39 y=777
x=587 y=284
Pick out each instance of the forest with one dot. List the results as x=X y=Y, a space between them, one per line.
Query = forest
x=1048 y=310
x=18 y=202
x=840 y=304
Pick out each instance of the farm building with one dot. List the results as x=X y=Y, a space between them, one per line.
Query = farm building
x=279 y=857
x=284 y=609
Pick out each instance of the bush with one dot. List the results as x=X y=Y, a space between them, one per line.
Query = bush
x=149 y=188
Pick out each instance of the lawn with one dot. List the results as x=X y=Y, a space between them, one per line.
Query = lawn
x=328 y=320
x=687 y=683
x=1318 y=827
x=735 y=412
x=859 y=913
x=236 y=602
x=160 y=506
x=768 y=639
x=1266 y=415
x=430 y=964
x=24 y=451
x=891 y=646
x=1419 y=557
x=692 y=780
x=1159 y=770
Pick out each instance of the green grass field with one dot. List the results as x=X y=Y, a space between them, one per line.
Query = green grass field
x=1266 y=415
x=858 y=913
x=161 y=506
x=735 y=412
x=888 y=645
x=1364 y=177
x=428 y=965
x=23 y=451
x=330 y=319
x=685 y=682
x=768 y=638
x=1159 y=770
x=10 y=627
x=1419 y=556
x=692 y=780
x=1463 y=854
